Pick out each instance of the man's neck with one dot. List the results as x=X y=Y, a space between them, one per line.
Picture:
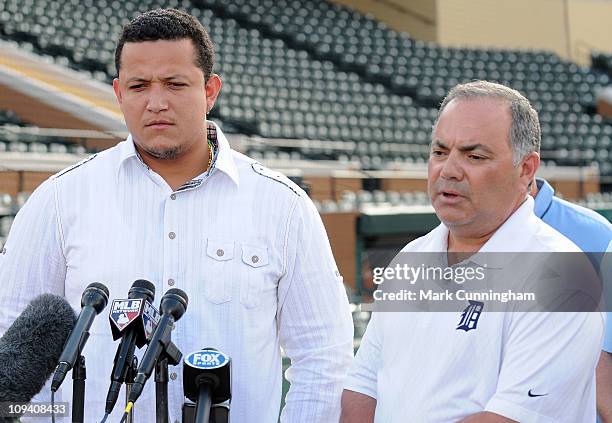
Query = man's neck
x=460 y=248
x=462 y=241
x=534 y=189
x=182 y=169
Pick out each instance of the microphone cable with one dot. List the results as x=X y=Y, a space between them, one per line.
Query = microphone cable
x=52 y=407
x=128 y=408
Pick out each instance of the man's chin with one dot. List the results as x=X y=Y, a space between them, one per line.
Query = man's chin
x=452 y=219
x=162 y=152
x=165 y=154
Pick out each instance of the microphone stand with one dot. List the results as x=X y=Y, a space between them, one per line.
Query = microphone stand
x=79 y=374
x=129 y=379
x=219 y=413
x=169 y=356
x=161 y=390
x=203 y=404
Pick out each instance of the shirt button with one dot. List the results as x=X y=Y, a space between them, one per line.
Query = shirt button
x=171 y=235
x=254 y=259
x=220 y=252
x=173 y=196
x=173 y=376
x=171 y=282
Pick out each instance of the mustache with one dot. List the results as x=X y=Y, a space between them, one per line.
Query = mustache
x=455 y=188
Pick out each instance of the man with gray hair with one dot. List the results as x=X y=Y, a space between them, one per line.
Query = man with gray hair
x=475 y=365
x=524 y=123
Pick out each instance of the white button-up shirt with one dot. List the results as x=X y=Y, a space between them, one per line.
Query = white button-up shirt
x=245 y=243
x=526 y=366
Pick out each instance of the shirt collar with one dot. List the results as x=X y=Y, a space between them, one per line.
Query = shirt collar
x=544 y=197
x=127 y=149
x=225 y=158
x=437 y=240
x=512 y=236
x=224 y=161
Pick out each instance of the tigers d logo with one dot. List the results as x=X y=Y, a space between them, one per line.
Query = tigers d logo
x=470 y=316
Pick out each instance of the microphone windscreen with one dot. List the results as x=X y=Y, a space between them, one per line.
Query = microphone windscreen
x=142 y=287
x=100 y=286
x=32 y=345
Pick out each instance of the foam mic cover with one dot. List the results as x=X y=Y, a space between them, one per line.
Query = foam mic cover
x=32 y=345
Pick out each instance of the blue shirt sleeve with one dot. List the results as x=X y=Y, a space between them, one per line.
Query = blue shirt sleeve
x=606 y=274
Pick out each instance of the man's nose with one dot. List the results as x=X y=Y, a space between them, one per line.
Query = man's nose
x=158 y=100
x=452 y=167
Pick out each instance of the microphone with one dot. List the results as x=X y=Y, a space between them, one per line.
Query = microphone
x=172 y=307
x=31 y=346
x=134 y=320
x=206 y=380
x=93 y=301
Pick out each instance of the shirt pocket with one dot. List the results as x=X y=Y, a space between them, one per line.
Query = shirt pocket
x=218 y=285
x=253 y=277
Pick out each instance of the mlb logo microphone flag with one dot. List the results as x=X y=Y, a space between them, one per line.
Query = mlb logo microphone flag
x=138 y=312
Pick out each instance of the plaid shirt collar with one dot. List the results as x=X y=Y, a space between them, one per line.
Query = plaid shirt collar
x=222 y=156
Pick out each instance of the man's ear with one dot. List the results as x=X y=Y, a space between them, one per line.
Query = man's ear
x=117 y=90
x=212 y=89
x=529 y=167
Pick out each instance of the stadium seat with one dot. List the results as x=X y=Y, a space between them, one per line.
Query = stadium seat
x=322 y=71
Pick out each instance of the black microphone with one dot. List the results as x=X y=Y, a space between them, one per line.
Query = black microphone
x=206 y=380
x=172 y=307
x=134 y=320
x=93 y=301
x=31 y=346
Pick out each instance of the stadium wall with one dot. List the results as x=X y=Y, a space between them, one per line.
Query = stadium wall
x=570 y=28
x=36 y=111
x=416 y=17
x=590 y=28
x=323 y=188
x=519 y=24
x=15 y=181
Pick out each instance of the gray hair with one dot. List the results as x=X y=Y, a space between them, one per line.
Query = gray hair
x=524 y=127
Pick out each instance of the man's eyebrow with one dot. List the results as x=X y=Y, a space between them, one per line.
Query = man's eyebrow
x=167 y=78
x=477 y=146
x=439 y=143
x=464 y=148
x=175 y=76
x=137 y=79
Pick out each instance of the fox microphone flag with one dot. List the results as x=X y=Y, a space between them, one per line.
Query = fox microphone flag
x=206 y=380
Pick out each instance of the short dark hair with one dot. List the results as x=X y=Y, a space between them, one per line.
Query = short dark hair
x=525 y=136
x=169 y=24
